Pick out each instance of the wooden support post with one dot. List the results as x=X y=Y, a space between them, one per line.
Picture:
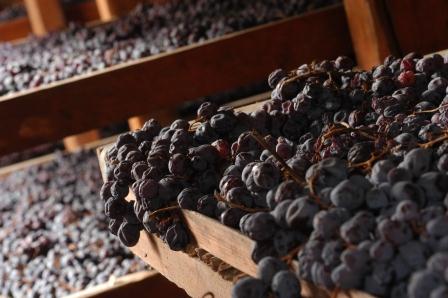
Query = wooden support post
x=371 y=31
x=45 y=16
x=76 y=142
x=164 y=117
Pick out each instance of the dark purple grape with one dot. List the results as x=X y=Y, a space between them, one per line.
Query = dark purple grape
x=259 y=226
x=177 y=237
x=285 y=285
x=268 y=267
x=129 y=234
x=249 y=287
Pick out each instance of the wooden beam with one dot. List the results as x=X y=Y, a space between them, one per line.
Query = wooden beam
x=15 y=29
x=45 y=16
x=76 y=142
x=166 y=80
x=371 y=31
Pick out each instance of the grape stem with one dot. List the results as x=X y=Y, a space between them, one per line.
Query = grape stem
x=335 y=293
x=288 y=258
x=233 y=205
x=433 y=110
x=259 y=138
x=170 y=208
x=435 y=141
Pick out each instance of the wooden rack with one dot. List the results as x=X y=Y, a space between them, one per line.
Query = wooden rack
x=225 y=243
x=378 y=28
x=90 y=101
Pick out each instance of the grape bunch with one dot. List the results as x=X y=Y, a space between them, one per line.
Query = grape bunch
x=53 y=236
x=150 y=29
x=340 y=178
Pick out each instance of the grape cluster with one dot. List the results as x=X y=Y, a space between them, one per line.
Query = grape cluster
x=53 y=237
x=342 y=173
x=148 y=30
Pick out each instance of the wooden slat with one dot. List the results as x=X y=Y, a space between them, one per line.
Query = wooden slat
x=163 y=81
x=209 y=234
x=15 y=29
x=45 y=16
x=420 y=26
x=74 y=143
x=371 y=31
x=84 y=12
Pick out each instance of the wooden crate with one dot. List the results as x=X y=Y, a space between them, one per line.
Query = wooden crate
x=163 y=81
x=225 y=243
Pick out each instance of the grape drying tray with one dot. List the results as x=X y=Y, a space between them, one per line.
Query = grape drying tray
x=227 y=244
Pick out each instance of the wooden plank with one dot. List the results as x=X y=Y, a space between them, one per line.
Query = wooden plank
x=371 y=31
x=15 y=29
x=45 y=16
x=115 y=94
x=84 y=12
x=420 y=26
x=209 y=234
x=133 y=285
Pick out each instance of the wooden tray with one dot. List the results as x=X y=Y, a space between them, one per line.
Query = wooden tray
x=163 y=81
x=221 y=241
